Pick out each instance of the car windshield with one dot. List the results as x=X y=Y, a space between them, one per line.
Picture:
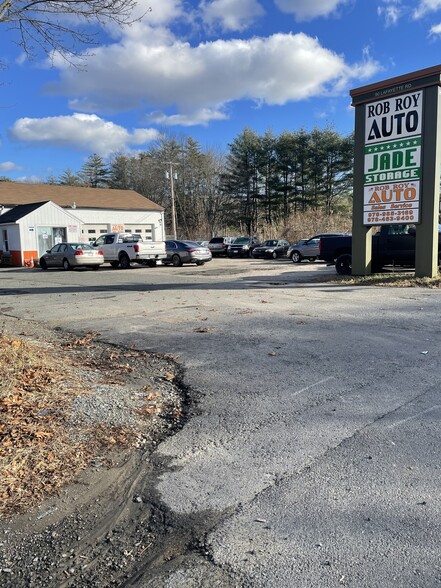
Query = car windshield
x=242 y=240
x=270 y=243
x=217 y=240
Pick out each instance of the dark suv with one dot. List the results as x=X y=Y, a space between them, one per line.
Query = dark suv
x=243 y=247
x=219 y=245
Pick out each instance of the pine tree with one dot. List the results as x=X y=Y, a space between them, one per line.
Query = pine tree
x=94 y=172
x=241 y=179
x=121 y=173
x=69 y=178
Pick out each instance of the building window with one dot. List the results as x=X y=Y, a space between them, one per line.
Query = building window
x=91 y=231
x=138 y=230
x=5 y=241
x=103 y=231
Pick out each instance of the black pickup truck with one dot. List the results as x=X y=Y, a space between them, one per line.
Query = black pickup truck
x=392 y=244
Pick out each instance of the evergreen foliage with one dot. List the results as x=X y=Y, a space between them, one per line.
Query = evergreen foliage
x=95 y=173
x=262 y=181
x=69 y=178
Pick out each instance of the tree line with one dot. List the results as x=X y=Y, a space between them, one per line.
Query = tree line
x=257 y=187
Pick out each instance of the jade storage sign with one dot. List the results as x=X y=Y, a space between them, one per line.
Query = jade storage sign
x=392 y=160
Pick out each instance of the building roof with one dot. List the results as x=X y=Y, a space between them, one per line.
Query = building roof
x=18 y=212
x=14 y=194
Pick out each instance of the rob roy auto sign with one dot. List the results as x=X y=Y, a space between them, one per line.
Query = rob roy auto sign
x=392 y=160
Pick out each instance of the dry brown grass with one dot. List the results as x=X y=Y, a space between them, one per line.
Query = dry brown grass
x=306 y=224
x=399 y=280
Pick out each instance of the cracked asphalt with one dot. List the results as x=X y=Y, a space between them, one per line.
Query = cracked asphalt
x=313 y=455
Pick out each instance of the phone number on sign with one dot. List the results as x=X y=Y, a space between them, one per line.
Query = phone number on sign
x=391 y=216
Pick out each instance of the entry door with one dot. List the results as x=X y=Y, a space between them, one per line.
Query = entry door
x=49 y=236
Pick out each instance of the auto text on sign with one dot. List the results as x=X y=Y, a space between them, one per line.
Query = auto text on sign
x=392 y=159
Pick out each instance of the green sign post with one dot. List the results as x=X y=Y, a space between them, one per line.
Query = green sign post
x=397 y=164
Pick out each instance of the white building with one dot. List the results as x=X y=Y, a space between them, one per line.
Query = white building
x=34 y=217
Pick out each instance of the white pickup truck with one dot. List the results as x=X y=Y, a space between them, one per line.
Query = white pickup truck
x=123 y=249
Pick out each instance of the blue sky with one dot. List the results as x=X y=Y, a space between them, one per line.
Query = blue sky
x=207 y=69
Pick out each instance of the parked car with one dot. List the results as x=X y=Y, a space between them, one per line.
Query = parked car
x=271 y=248
x=123 y=249
x=203 y=243
x=72 y=255
x=179 y=252
x=308 y=248
x=242 y=247
x=219 y=245
x=392 y=244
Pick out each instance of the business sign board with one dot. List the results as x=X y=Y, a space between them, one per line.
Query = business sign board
x=392 y=160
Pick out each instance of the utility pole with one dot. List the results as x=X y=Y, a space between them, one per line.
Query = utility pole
x=171 y=177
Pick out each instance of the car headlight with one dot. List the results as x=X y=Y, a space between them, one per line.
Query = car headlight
x=246 y=247
x=229 y=247
x=270 y=250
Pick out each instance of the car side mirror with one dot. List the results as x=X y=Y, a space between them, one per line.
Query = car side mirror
x=412 y=231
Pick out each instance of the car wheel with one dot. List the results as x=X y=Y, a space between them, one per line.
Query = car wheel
x=296 y=257
x=66 y=265
x=343 y=264
x=114 y=264
x=274 y=256
x=176 y=260
x=124 y=261
x=43 y=264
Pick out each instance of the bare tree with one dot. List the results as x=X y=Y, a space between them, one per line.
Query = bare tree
x=62 y=27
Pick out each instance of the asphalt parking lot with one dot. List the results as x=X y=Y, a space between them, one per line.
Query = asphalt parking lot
x=314 y=453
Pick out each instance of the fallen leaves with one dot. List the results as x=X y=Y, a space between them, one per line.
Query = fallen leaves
x=33 y=436
x=84 y=341
x=40 y=449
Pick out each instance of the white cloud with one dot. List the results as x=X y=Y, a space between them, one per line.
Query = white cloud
x=309 y=9
x=29 y=180
x=426 y=6
x=231 y=15
x=435 y=31
x=159 y=12
x=6 y=166
x=391 y=11
x=200 y=117
x=82 y=132
x=192 y=81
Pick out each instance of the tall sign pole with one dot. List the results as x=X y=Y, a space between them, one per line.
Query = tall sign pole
x=397 y=164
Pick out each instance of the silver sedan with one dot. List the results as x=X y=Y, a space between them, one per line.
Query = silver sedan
x=72 y=255
x=179 y=252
